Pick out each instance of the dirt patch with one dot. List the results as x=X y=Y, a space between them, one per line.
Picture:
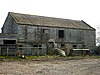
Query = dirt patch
x=51 y=67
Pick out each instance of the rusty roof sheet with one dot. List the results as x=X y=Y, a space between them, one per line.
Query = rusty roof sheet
x=48 y=21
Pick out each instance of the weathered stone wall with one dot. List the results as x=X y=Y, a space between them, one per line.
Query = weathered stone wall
x=71 y=36
x=34 y=34
x=10 y=36
x=7 y=37
x=28 y=35
x=9 y=27
x=84 y=37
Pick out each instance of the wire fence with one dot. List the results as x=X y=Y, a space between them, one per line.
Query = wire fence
x=33 y=50
x=23 y=51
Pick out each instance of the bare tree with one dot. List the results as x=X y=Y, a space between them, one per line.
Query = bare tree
x=98 y=35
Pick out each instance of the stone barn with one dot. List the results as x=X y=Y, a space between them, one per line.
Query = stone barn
x=36 y=31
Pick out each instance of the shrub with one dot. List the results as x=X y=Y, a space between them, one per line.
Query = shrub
x=96 y=51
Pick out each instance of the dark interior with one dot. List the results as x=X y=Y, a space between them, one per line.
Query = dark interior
x=74 y=46
x=9 y=41
x=61 y=33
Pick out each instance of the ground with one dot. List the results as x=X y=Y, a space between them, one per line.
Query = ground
x=61 y=66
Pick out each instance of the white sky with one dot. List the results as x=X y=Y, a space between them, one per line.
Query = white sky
x=87 y=10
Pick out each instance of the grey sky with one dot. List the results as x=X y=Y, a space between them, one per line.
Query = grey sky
x=87 y=10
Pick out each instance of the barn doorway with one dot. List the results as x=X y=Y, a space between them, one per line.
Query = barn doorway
x=9 y=41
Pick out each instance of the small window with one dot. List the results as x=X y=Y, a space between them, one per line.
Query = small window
x=40 y=46
x=61 y=33
x=46 y=31
x=74 y=46
x=9 y=41
x=35 y=45
x=84 y=46
x=62 y=45
x=20 y=45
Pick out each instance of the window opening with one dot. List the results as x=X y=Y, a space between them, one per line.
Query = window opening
x=61 y=33
x=9 y=41
x=74 y=46
x=46 y=31
x=62 y=45
x=84 y=46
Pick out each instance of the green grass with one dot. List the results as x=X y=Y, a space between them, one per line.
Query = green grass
x=38 y=58
x=9 y=58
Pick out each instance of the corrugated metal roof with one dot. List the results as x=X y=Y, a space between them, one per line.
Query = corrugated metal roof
x=48 y=21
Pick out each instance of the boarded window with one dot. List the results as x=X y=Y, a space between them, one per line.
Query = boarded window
x=61 y=33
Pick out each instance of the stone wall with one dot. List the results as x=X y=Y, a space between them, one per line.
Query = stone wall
x=71 y=36
x=9 y=27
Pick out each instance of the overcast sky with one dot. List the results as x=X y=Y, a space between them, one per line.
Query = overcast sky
x=87 y=10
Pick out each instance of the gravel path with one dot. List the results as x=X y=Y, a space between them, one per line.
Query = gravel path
x=55 y=67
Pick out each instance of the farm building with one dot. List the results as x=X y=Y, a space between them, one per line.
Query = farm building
x=29 y=31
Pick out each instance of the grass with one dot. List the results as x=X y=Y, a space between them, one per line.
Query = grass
x=8 y=58
x=46 y=58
